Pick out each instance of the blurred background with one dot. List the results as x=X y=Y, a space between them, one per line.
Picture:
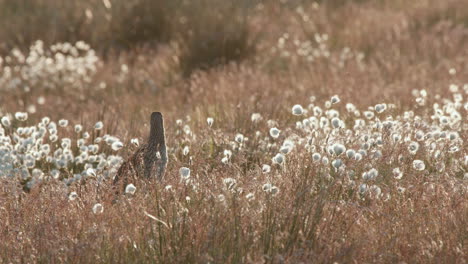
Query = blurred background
x=89 y=56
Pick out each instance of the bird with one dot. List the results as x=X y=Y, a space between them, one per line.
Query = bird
x=149 y=161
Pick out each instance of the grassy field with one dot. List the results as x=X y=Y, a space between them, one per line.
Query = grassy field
x=297 y=131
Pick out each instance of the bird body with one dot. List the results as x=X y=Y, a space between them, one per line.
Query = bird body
x=150 y=160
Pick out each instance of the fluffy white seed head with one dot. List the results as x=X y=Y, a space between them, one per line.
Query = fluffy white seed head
x=229 y=183
x=210 y=121
x=350 y=153
x=239 y=138
x=316 y=157
x=90 y=172
x=135 y=142
x=185 y=150
x=336 y=122
x=337 y=163
x=256 y=117
x=279 y=159
x=6 y=121
x=363 y=188
x=99 y=125
x=98 y=208
x=274 y=132
x=72 y=196
x=297 y=110
x=270 y=189
x=21 y=116
x=184 y=172
x=266 y=168
x=227 y=153
x=338 y=149
x=380 y=108
x=419 y=165
x=335 y=99
x=63 y=122
x=78 y=128
x=413 y=147
x=130 y=189
x=117 y=145
x=325 y=161
x=397 y=174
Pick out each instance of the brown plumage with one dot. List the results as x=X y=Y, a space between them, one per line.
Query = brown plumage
x=149 y=160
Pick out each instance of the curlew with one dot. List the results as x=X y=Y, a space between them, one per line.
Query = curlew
x=149 y=161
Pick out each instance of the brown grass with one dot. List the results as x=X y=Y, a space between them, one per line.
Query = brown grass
x=228 y=71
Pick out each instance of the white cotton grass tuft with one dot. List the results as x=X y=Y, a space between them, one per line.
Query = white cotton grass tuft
x=453 y=136
x=338 y=149
x=274 y=132
x=239 y=138
x=98 y=208
x=287 y=146
x=316 y=157
x=266 y=168
x=41 y=100
x=401 y=190
x=31 y=109
x=337 y=163
x=90 y=172
x=279 y=159
x=270 y=188
x=184 y=173
x=397 y=174
x=250 y=196
x=72 y=196
x=130 y=189
x=325 y=160
x=99 y=125
x=227 y=153
x=370 y=175
x=78 y=128
x=6 y=121
x=63 y=123
x=380 y=108
x=375 y=191
x=21 y=116
x=256 y=117
x=413 y=147
x=185 y=150
x=335 y=99
x=336 y=122
x=369 y=114
x=350 y=153
x=419 y=165
x=230 y=183
x=297 y=110
x=210 y=121
x=363 y=188
x=55 y=174
x=135 y=142
x=117 y=145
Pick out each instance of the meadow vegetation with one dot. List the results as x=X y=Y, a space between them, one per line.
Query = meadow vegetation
x=297 y=131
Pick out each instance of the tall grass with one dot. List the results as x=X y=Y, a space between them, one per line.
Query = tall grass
x=274 y=55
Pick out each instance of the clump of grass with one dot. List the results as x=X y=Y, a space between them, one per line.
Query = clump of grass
x=335 y=156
